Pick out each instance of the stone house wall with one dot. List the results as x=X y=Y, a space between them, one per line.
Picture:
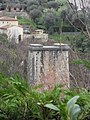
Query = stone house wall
x=39 y=35
x=13 y=14
x=6 y=22
x=15 y=33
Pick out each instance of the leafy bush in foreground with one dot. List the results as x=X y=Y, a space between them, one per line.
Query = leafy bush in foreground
x=18 y=101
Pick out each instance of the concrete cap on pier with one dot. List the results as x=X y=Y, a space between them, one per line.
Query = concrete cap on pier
x=55 y=46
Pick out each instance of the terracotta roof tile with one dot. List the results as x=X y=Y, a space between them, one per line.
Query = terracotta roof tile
x=8 y=26
x=4 y=27
x=5 y=18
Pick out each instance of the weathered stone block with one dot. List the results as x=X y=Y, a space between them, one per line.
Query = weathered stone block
x=48 y=65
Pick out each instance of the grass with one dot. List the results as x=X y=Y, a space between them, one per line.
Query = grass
x=25 y=21
x=66 y=37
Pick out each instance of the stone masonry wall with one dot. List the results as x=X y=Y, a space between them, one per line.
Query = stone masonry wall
x=13 y=14
x=48 y=65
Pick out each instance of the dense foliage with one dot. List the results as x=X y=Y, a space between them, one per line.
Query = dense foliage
x=48 y=14
x=27 y=22
x=20 y=101
x=56 y=17
x=76 y=40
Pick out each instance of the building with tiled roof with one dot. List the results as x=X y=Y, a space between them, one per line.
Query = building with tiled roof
x=10 y=27
x=5 y=18
x=8 y=21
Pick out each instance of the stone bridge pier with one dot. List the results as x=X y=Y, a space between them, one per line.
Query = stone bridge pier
x=48 y=65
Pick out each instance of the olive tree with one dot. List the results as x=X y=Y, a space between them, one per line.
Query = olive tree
x=49 y=21
x=29 y=8
x=53 y=4
x=32 y=2
x=35 y=13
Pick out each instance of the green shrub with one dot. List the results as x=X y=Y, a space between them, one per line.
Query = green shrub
x=20 y=101
x=25 y=21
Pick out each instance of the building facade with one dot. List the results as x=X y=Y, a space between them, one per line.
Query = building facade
x=39 y=35
x=10 y=27
x=8 y=21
